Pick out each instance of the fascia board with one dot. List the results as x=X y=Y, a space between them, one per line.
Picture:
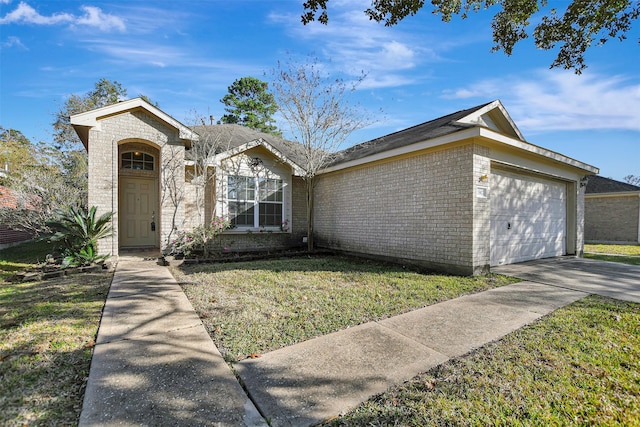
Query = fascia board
x=418 y=146
x=531 y=148
x=616 y=194
x=473 y=117
x=297 y=170
x=475 y=132
x=92 y=118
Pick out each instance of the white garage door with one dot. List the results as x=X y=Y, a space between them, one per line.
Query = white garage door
x=528 y=217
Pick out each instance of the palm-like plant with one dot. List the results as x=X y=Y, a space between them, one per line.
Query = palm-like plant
x=79 y=232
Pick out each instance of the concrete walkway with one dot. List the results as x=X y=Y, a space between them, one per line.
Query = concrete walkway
x=608 y=279
x=324 y=377
x=154 y=363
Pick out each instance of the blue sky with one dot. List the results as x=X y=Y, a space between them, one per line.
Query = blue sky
x=184 y=55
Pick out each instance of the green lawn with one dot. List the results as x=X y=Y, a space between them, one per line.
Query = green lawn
x=631 y=260
x=630 y=250
x=626 y=254
x=255 y=307
x=578 y=366
x=20 y=257
x=47 y=333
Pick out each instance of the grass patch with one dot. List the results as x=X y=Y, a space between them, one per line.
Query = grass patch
x=577 y=366
x=255 y=307
x=22 y=256
x=630 y=250
x=47 y=333
x=624 y=259
x=31 y=252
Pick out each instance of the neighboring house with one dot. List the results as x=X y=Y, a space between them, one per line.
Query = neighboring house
x=611 y=211
x=10 y=236
x=460 y=193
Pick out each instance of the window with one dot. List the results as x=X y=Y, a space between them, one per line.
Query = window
x=137 y=160
x=255 y=202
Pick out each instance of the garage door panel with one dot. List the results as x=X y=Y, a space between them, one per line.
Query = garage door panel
x=528 y=217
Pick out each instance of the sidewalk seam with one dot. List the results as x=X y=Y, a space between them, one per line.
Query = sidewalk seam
x=388 y=328
x=150 y=334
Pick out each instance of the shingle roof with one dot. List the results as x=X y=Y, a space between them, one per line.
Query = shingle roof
x=432 y=129
x=600 y=184
x=231 y=136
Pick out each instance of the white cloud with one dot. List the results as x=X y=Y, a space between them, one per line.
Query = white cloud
x=13 y=41
x=355 y=44
x=398 y=53
x=562 y=100
x=26 y=14
x=384 y=81
x=93 y=17
x=140 y=53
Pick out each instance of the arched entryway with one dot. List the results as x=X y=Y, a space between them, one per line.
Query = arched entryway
x=138 y=201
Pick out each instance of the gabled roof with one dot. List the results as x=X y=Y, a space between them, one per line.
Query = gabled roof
x=432 y=129
x=233 y=139
x=600 y=184
x=82 y=122
x=492 y=115
x=489 y=122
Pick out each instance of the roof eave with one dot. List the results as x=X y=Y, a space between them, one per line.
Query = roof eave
x=534 y=149
x=474 y=117
x=297 y=170
x=614 y=194
x=474 y=132
x=87 y=120
x=406 y=149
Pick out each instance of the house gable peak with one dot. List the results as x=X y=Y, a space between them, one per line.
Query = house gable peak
x=82 y=122
x=493 y=116
x=233 y=139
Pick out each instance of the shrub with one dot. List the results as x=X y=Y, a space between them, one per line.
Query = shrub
x=79 y=232
x=197 y=240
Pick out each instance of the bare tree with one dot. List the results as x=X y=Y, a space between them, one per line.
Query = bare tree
x=200 y=173
x=320 y=118
x=172 y=178
x=39 y=190
x=632 y=179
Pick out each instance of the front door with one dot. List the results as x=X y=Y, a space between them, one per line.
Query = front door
x=138 y=213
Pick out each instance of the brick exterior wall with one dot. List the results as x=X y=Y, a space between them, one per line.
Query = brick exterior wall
x=141 y=128
x=299 y=209
x=481 y=210
x=612 y=218
x=240 y=242
x=430 y=208
x=416 y=209
x=10 y=237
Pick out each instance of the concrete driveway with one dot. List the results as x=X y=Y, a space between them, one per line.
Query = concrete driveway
x=609 y=279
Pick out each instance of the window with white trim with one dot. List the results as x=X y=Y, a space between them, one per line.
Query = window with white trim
x=255 y=202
